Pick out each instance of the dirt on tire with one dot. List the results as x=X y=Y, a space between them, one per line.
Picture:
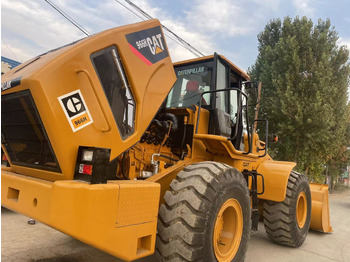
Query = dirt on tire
x=186 y=220
x=280 y=218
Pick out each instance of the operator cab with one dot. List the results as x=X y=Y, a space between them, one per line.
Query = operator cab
x=215 y=84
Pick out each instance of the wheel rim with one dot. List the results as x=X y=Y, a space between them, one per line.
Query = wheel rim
x=228 y=230
x=301 y=209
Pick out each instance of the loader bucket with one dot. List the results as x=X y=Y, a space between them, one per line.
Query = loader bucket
x=320 y=208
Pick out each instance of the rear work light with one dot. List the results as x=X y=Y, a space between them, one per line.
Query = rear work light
x=92 y=164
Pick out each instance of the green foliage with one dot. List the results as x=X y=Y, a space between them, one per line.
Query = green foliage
x=305 y=77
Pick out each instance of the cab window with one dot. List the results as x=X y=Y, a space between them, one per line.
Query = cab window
x=192 y=81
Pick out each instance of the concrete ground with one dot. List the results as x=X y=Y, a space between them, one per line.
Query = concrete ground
x=23 y=242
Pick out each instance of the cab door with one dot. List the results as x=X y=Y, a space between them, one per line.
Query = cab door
x=230 y=108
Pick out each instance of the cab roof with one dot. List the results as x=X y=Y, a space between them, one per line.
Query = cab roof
x=235 y=68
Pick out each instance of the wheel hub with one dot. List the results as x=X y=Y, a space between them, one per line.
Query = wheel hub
x=301 y=209
x=228 y=230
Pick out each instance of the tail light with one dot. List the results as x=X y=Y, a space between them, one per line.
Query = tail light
x=92 y=164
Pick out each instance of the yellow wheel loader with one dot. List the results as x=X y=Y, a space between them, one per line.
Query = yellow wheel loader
x=111 y=143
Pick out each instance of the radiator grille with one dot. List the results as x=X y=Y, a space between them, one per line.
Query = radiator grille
x=23 y=134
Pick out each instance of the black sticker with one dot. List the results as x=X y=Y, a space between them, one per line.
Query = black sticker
x=148 y=45
x=73 y=104
x=10 y=84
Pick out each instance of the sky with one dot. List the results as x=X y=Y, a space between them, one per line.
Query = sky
x=228 y=27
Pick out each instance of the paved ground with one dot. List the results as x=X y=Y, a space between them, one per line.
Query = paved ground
x=23 y=242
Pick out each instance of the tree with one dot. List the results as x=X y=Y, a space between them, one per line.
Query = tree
x=339 y=162
x=305 y=77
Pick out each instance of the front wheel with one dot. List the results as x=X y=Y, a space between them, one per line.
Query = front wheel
x=206 y=216
x=287 y=223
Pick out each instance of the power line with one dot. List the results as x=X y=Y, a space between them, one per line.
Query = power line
x=177 y=39
x=139 y=9
x=10 y=49
x=168 y=32
x=182 y=41
x=143 y=19
x=68 y=18
x=131 y=10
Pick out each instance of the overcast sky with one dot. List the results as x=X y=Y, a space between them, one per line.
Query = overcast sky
x=229 y=27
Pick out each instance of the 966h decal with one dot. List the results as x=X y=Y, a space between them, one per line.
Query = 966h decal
x=75 y=109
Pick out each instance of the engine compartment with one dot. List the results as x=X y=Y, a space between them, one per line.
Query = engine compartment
x=167 y=140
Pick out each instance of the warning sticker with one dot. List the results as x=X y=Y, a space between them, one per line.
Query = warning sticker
x=75 y=109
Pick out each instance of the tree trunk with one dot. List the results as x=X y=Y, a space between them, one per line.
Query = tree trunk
x=296 y=151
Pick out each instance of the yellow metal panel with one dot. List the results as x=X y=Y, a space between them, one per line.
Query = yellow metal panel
x=276 y=174
x=89 y=212
x=79 y=208
x=136 y=203
x=60 y=72
x=28 y=189
x=222 y=146
x=320 y=208
x=203 y=124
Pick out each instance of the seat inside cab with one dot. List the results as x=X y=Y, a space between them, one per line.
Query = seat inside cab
x=215 y=84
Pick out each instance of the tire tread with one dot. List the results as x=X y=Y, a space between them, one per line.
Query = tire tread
x=279 y=217
x=182 y=219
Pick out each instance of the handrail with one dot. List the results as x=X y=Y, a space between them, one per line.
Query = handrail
x=266 y=135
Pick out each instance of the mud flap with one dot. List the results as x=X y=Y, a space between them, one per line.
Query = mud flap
x=320 y=208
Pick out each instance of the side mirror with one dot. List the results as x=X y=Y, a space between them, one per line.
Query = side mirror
x=251 y=85
x=252 y=89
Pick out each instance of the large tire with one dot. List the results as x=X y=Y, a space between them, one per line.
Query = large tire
x=287 y=223
x=189 y=228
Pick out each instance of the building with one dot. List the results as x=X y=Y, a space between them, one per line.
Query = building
x=7 y=64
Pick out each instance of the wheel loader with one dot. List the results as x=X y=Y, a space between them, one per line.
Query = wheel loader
x=111 y=143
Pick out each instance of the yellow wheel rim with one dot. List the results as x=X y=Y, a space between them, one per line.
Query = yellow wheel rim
x=228 y=230
x=301 y=209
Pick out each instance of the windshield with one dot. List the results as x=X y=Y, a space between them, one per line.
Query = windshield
x=192 y=80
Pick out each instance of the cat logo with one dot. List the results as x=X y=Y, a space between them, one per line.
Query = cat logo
x=245 y=164
x=75 y=109
x=148 y=45
x=155 y=44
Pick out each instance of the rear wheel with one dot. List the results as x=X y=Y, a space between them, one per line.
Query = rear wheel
x=206 y=216
x=287 y=223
